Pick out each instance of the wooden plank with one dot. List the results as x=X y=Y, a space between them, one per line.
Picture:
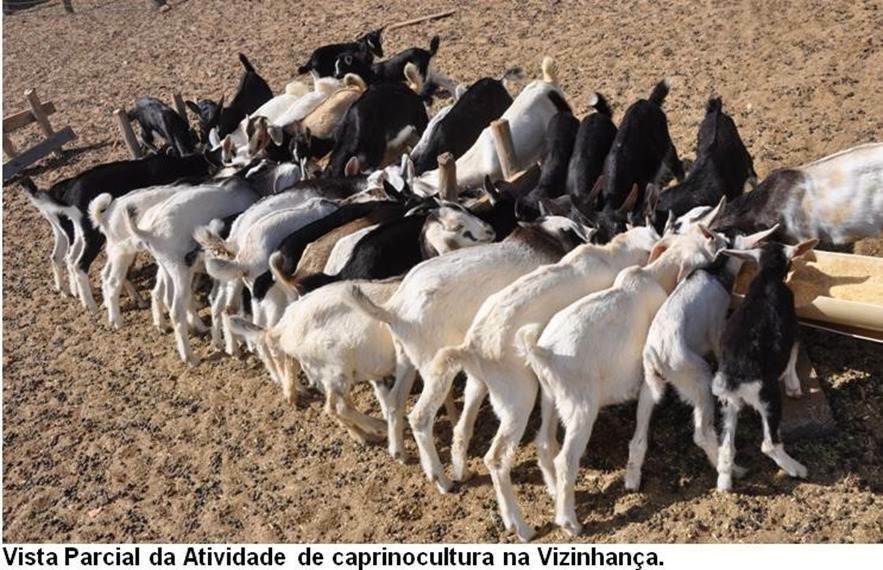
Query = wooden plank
x=502 y=136
x=447 y=177
x=127 y=132
x=9 y=150
x=41 y=117
x=37 y=152
x=24 y=118
x=411 y=22
x=810 y=415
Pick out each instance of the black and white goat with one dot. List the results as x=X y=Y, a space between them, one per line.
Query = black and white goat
x=837 y=199
x=323 y=59
x=758 y=349
x=69 y=200
x=155 y=117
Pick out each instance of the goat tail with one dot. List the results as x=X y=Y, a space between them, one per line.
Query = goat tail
x=213 y=244
x=97 y=210
x=304 y=68
x=715 y=105
x=448 y=361
x=247 y=329
x=560 y=102
x=355 y=80
x=600 y=104
x=550 y=70
x=433 y=45
x=249 y=68
x=537 y=357
x=133 y=229
x=28 y=185
x=660 y=91
x=276 y=262
x=357 y=299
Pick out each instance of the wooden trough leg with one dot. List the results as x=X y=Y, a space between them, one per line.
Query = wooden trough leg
x=447 y=177
x=9 y=149
x=40 y=116
x=505 y=148
x=810 y=415
x=128 y=133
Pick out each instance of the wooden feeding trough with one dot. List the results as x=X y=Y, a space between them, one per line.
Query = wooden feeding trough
x=15 y=161
x=837 y=292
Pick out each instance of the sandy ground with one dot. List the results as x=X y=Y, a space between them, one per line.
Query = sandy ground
x=108 y=437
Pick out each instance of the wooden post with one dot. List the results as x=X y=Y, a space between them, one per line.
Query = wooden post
x=39 y=115
x=68 y=7
x=181 y=107
x=505 y=149
x=447 y=177
x=128 y=133
x=8 y=148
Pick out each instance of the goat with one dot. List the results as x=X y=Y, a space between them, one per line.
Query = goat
x=593 y=142
x=528 y=116
x=166 y=231
x=722 y=168
x=155 y=117
x=641 y=149
x=589 y=354
x=758 y=348
x=456 y=129
x=323 y=59
x=322 y=123
x=335 y=346
x=251 y=93
x=69 y=199
x=398 y=245
x=560 y=137
x=386 y=116
x=836 y=200
x=435 y=305
x=488 y=356
x=684 y=331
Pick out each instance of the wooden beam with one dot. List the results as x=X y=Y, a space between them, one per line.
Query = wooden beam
x=9 y=150
x=25 y=118
x=505 y=148
x=41 y=117
x=810 y=415
x=67 y=6
x=411 y=22
x=127 y=132
x=447 y=177
x=36 y=152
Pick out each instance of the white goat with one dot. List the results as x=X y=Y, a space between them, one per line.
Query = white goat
x=589 y=354
x=489 y=357
x=437 y=302
x=528 y=116
x=167 y=230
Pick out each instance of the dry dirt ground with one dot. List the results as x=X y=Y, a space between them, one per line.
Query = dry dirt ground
x=108 y=437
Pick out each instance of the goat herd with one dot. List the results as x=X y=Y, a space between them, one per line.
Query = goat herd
x=583 y=279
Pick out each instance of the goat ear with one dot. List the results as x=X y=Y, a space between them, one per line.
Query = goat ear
x=669 y=223
x=657 y=250
x=489 y=189
x=193 y=107
x=227 y=148
x=651 y=200
x=683 y=271
x=595 y=192
x=352 y=167
x=757 y=238
x=276 y=134
x=709 y=218
x=707 y=233
x=801 y=248
x=629 y=204
x=743 y=254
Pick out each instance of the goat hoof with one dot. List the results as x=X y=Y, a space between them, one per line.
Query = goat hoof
x=739 y=471
x=724 y=483
x=632 y=480
x=463 y=474
x=572 y=528
x=525 y=533
x=443 y=484
x=798 y=393
x=800 y=472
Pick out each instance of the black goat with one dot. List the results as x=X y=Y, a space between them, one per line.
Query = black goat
x=593 y=142
x=322 y=61
x=392 y=69
x=155 y=117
